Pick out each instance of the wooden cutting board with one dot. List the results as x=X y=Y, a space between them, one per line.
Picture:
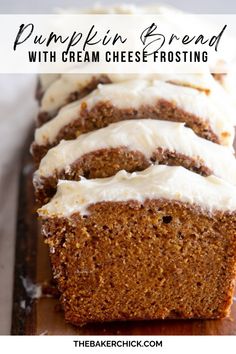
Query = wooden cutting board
x=43 y=315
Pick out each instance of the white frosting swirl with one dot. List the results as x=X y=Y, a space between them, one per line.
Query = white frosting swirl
x=172 y=183
x=144 y=135
x=136 y=93
x=58 y=92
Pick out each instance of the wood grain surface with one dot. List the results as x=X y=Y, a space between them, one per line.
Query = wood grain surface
x=44 y=315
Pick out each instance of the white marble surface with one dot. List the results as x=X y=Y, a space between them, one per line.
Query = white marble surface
x=17 y=109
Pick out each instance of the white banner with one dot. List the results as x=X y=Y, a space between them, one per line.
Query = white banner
x=117 y=344
x=173 y=43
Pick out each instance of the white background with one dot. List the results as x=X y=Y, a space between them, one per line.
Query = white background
x=17 y=109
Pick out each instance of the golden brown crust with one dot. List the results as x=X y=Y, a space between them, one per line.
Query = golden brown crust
x=104 y=113
x=129 y=261
x=107 y=162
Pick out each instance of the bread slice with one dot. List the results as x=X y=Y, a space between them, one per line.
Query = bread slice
x=150 y=245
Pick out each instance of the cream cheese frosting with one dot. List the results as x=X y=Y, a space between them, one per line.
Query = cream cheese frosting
x=144 y=135
x=228 y=81
x=172 y=183
x=137 y=93
x=47 y=79
x=58 y=92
